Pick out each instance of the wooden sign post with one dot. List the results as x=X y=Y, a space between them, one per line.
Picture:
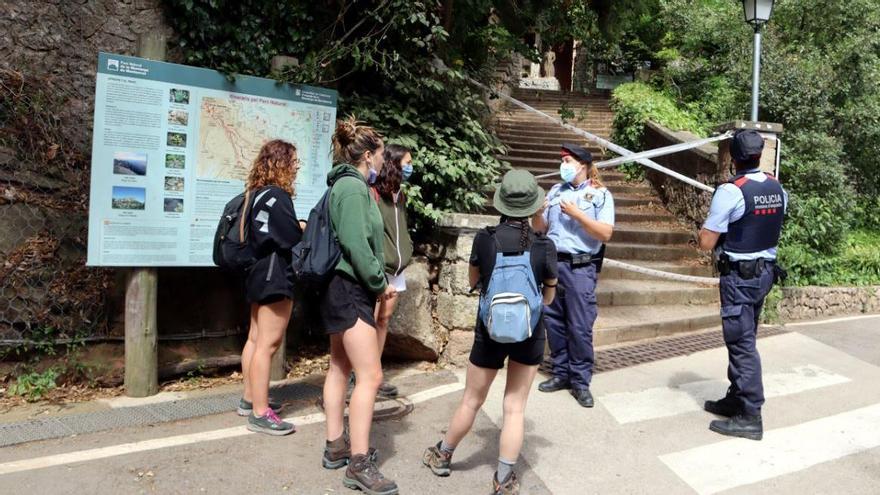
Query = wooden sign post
x=141 y=292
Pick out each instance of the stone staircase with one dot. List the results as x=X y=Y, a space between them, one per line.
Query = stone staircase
x=632 y=306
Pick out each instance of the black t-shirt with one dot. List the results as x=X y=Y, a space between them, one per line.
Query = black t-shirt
x=542 y=251
x=274 y=226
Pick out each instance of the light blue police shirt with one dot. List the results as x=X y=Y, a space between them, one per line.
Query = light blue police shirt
x=566 y=232
x=729 y=205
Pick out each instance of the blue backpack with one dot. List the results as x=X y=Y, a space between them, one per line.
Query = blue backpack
x=511 y=306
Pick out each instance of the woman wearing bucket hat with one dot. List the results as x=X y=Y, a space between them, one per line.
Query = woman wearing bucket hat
x=579 y=218
x=511 y=245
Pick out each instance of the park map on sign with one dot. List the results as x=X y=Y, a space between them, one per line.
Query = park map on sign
x=233 y=129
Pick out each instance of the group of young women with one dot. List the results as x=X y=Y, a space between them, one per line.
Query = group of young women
x=562 y=234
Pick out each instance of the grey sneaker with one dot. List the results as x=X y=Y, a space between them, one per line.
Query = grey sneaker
x=363 y=474
x=437 y=460
x=269 y=424
x=510 y=486
x=337 y=453
x=245 y=408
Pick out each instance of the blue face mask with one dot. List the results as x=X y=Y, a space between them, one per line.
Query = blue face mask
x=568 y=171
x=407 y=171
x=371 y=178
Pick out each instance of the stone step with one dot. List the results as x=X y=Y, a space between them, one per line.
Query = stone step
x=526 y=95
x=633 y=215
x=551 y=142
x=618 y=324
x=635 y=234
x=529 y=118
x=544 y=133
x=618 y=292
x=693 y=269
x=535 y=124
x=548 y=153
x=648 y=252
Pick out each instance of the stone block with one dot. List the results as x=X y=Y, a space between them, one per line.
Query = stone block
x=457 y=312
x=454 y=278
x=458 y=348
x=412 y=333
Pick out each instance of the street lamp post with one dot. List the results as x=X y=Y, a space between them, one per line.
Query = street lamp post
x=757 y=14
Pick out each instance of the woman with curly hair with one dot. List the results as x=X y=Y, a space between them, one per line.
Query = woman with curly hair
x=273 y=229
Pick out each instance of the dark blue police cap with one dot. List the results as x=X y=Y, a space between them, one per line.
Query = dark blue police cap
x=746 y=145
x=578 y=152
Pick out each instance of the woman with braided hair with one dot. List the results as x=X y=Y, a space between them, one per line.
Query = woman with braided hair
x=517 y=199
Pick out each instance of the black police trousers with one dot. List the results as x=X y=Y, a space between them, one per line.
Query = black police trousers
x=741 y=304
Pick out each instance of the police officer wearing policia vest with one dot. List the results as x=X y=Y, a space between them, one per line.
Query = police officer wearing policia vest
x=743 y=226
x=578 y=216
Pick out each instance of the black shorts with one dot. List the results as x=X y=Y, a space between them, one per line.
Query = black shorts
x=269 y=280
x=343 y=303
x=486 y=353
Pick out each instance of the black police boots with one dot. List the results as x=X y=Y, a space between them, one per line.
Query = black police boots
x=583 y=396
x=728 y=406
x=554 y=384
x=741 y=425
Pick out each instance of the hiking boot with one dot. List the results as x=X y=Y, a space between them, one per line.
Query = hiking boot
x=387 y=391
x=245 y=408
x=510 y=486
x=363 y=474
x=437 y=460
x=338 y=453
x=554 y=384
x=583 y=396
x=269 y=424
x=728 y=406
x=741 y=425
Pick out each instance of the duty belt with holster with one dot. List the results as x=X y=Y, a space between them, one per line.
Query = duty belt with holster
x=579 y=260
x=749 y=269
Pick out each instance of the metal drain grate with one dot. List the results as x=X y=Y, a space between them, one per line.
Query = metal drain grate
x=656 y=350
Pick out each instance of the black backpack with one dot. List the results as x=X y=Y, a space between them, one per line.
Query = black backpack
x=315 y=257
x=231 y=247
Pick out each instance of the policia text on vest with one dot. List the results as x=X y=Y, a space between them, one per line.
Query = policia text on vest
x=743 y=227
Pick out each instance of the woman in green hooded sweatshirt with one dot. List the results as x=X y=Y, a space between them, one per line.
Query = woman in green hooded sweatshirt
x=347 y=306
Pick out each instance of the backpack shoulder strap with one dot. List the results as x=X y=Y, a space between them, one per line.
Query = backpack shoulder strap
x=243 y=219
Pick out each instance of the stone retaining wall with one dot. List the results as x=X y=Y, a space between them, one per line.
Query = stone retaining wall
x=803 y=303
x=683 y=200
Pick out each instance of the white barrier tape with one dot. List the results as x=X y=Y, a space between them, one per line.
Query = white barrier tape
x=620 y=150
x=708 y=281
x=666 y=150
x=661 y=274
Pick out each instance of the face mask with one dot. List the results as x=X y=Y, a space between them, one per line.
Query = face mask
x=407 y=171
x=568 y=171
x=371 y=179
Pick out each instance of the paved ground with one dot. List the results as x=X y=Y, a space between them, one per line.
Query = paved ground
x=646 y=435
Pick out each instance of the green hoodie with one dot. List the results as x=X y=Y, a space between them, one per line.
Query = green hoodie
x=357 y=223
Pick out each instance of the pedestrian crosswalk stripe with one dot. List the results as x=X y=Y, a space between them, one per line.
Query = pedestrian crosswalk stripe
x=732 y=463
x=661 y=402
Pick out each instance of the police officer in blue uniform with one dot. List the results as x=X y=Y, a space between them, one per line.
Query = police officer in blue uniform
x=578 y=217
x=743 y=226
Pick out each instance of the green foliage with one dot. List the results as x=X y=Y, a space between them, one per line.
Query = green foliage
x=34 y=385
x=380 y=56
x=453 y=154
x=565 y=112
x=857 y=262
x=634 y=104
